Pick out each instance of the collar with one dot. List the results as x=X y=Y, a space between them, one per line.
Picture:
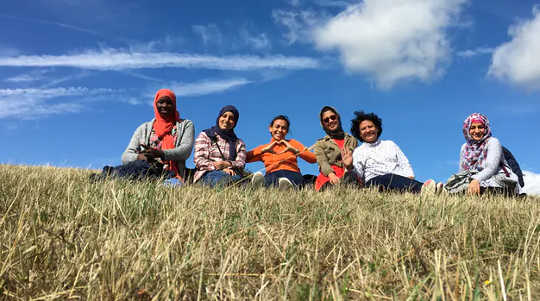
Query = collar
x=374 y=144
x=328 y=138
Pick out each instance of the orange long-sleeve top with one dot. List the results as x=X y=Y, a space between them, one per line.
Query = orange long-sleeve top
x=275 y=160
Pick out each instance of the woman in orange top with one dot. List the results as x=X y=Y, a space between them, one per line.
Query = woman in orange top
x=279 y=157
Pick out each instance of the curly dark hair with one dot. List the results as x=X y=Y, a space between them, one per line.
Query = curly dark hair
x=361 y=116
x=281 y=117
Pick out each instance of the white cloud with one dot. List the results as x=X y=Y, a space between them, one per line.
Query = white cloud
x=210 y=34
x=474 y=52
x=111 y=59
x=532 y=183
x=333 y=3
x=255 y=41
x=32 y=76
x=207 y=87
x=517 y=61
x=33 y=103
x=53 y=92
x=392 y=40
x=42 y=21
x=299 y=24
x=166 y=42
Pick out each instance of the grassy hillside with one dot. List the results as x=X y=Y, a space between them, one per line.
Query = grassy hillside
x=64 y=237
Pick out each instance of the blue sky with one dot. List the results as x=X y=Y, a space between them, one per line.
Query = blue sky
x=77 y=77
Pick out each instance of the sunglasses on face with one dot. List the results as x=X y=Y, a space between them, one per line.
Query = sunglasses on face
x=327 y=119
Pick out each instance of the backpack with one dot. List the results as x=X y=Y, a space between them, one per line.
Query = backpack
x=514 y=165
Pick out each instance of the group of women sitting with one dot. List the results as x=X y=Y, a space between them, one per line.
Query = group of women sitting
x=220 y=156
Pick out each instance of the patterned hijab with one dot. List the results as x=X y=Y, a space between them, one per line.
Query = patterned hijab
x=475 y=152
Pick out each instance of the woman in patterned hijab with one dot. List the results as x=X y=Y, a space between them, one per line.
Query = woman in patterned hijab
x=482 y=166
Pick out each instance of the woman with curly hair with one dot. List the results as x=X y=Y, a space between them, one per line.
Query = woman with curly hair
x=381 y=162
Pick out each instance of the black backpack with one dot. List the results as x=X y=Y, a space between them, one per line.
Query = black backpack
x=514 y=165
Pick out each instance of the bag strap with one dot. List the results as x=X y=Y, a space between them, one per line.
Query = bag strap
x=505 y=170
x=235 y=169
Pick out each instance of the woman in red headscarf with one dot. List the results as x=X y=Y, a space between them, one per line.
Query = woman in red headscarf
x=167 y=139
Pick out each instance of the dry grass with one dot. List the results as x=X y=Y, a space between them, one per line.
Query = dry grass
x=66 y=238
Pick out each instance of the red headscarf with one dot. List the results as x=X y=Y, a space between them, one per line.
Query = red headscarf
x=163 y=126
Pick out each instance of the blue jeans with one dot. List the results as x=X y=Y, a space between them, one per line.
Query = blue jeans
x=271 y=179
x=218 y=177
x=172 y=182
x=395 y=182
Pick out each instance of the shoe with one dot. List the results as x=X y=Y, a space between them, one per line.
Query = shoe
x=429 y=187
x=439 y=187
x=257 y=179
x=284 y=184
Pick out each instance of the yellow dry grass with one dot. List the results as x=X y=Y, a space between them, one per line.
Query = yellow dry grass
x=64 y=237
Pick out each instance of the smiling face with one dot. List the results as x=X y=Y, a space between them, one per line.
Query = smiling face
x=279 y=129
x=165 y=107
x=368 y=131
x=226 y=121
x=330 y=120
x=477 y=131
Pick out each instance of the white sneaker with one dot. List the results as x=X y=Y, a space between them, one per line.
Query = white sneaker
x=257 y=179
x=284 y=184
x=439 y=187
x=429 y=187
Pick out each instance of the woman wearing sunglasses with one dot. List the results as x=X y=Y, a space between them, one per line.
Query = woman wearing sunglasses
x=334 y=152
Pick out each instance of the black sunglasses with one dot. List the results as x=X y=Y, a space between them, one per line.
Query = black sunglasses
x=327 y=119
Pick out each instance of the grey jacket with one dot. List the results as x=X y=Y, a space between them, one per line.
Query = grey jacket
x=328 y=152
x=183 y=143
x=492 y=173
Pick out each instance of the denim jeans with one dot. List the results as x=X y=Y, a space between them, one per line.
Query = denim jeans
x=218 y=177
x=271 y=179
x=395 y=182
x=173 y=182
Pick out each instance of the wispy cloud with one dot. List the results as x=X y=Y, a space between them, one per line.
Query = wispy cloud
x=392 y=40
x=474 y=52
x=210 y=34
x=255 y=41
x=207 y=86
x=35 y=75
x=53 y=92
x=333 y=3
x=32 y=103
x=34 y=108
x=299 y=24
x=60 y=24
x=517 y=61
x=111 y=59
